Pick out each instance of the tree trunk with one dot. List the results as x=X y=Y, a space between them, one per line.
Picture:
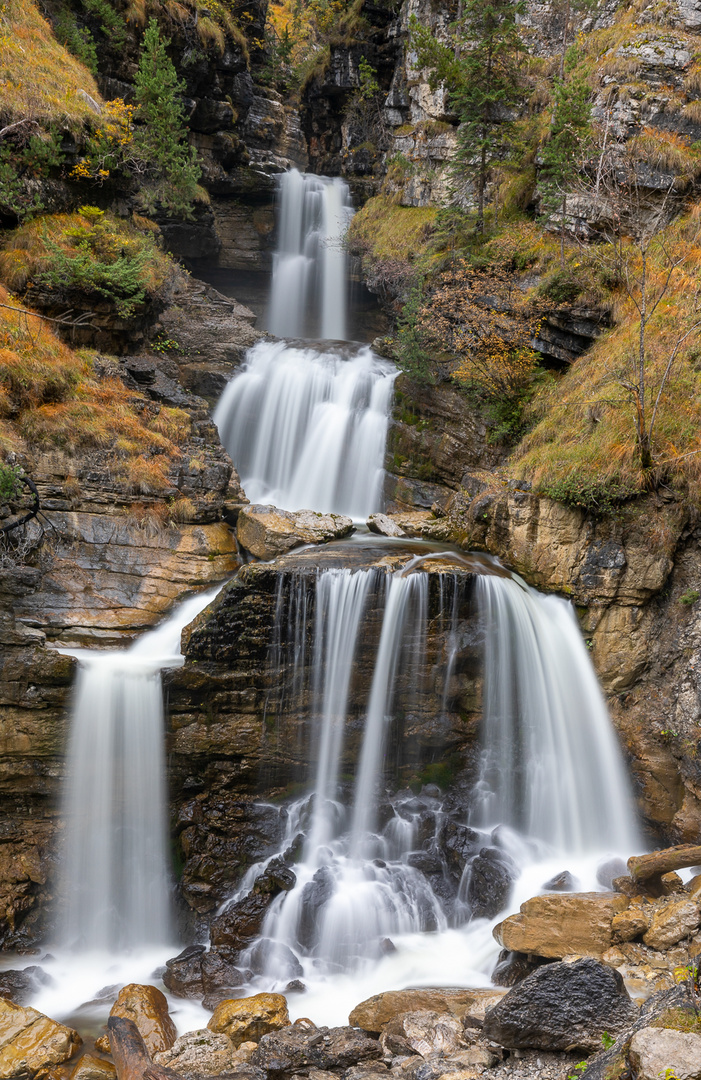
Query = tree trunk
x=563 y=212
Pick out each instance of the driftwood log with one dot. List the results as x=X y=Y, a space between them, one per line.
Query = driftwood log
x=131 y=1058
x=649 y=867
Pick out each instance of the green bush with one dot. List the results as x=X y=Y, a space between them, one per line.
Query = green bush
x=77 y=39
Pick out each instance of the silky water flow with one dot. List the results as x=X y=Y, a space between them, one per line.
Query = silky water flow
x=375 y=905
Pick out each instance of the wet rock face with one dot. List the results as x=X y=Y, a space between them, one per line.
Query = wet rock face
x=491 y=876
x=30 y=1042
x=562 y=1006
x=242 y=722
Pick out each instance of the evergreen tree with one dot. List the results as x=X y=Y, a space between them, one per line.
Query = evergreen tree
x=564 y=152
x=479 y=65
x=160 y=140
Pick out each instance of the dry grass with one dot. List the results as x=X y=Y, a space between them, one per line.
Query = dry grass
x=39 y=79
x=586 y=431
x=389 y=231
x=668 y=153
x=51 y=396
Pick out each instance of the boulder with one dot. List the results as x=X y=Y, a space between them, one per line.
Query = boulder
x=608 y=870
x=183 y=974
x=672 y=922
x=92 y=1067
x=376 y=1012
x=562 y=1007
x=489 y=883
x=248 y=1019
x=20 y=986
x=30 y=1041
x=657 y=863
x=562 y=882
x=301 y=1047
x=267 y=532
x=660 y=1052
x=558 y=925
x=630 y=924
x=148 y=1008
x=423 y=1032
x=410 y=523
x=205 y=1053
x=240 y=924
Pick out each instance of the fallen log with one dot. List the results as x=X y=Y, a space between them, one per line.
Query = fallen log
x=131 y=1058
x=645 y=867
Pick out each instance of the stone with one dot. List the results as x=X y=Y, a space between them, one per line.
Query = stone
x=183 y=974
x=384 y=525
x=561 y=1007
x=267 y=532
x=489 y=884
x=300 y=1047
x=240 y=924
x=248 y=1019
x=672 y=922
x=20 y=986
x=30 y=1041
x=671 y=883
x=92 y=1067
x=220 y=973
x=656 y=863
x=512 y=967
x=409 y=523
x=204 y=1052
x=608 y=870
x=557 y=925
x=148 y=1008
x=660 y=1052
x=563 y=882
x=376 y=1012
x=423 y=1032
x=630 y=924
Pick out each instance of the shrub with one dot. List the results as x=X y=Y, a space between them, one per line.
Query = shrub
x=90 y=252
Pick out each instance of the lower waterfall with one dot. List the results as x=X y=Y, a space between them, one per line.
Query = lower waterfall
x=378 y=902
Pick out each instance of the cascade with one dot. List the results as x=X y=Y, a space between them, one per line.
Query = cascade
x=310 y=267
x=307 y=428
x=115 y=883
x=374 y=873
x=551 y=765
x=380 y=899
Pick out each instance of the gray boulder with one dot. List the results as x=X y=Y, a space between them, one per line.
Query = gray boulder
x=562 y=1007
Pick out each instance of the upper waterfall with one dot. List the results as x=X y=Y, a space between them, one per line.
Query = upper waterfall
x=309 y=295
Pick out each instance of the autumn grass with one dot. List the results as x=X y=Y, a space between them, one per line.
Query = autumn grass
x=584 y=440
x=54 y=397
x=392 y=239
x=39 y=79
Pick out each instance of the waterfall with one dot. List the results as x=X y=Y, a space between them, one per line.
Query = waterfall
x=375 y=871
x=115 y=874
x=406 y=610
x=307 y=429
x=552 y=767
x=310 y=267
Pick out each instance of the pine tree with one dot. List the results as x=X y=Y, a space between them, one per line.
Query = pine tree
x=480 y=66
x=565 y=150
x=160 y=140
